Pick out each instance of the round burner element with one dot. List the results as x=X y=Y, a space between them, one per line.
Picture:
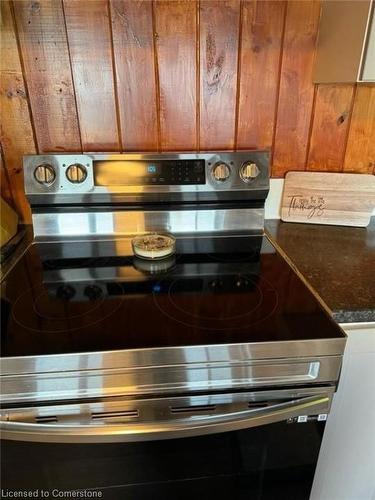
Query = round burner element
x=218 y=305
x=60 y=312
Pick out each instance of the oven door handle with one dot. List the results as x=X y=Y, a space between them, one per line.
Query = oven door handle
x=174 y=427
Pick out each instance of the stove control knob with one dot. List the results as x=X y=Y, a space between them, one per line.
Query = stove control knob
x=241 y=283
x=45 y=174
x=76 y=173
x=221 y=172
x=216 y=284
x=65 y=292
x=249 y=171
x=93 y=292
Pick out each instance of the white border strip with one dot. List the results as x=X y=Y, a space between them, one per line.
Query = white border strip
x=273 y=201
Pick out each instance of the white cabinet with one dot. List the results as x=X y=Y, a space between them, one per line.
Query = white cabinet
x=346 y=465
x=368 y=73
x=345 y=50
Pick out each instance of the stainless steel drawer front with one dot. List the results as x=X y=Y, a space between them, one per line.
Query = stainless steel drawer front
x=164 y=418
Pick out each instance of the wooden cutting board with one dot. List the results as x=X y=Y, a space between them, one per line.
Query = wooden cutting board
x=324 y=198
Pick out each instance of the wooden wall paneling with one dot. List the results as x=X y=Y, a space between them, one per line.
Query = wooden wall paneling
x=133 y=41
x=176 y=32
x=90 y=46
x=329 y=131
x=219 y=42
x=360 y=151
x=45 y=56
x=296 y=88
x=16 y=131
x=260 y=55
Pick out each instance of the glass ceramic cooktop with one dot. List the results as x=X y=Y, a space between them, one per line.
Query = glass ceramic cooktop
x=85 y=297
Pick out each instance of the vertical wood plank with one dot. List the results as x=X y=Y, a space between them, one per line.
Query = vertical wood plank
x=262 y=29
x=16 y=130
x=89 y=39
x=296 y=88
x=360 y=151
x=45 y=56
x=330 y=127
x=135 y=71
x=175 y=23
x=219 y=39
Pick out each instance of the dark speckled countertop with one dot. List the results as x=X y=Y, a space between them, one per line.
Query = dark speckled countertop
x=338 y=263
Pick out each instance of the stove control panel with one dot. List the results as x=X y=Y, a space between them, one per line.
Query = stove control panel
x=58 y=179
x=152 y=172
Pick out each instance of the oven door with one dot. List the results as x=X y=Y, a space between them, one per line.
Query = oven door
x=250 y=445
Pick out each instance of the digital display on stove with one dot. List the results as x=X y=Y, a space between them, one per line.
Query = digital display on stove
x=141 y=172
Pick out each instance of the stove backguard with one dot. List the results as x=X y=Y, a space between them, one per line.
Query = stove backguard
x=99 y=195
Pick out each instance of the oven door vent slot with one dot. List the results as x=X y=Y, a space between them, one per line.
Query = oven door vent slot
x=115 y=414
x=192 y=409
x=45 y=419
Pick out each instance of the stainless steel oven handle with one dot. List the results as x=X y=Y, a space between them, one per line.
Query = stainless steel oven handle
x=169 y=429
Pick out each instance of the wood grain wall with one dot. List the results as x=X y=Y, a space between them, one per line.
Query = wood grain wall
x=126 y=75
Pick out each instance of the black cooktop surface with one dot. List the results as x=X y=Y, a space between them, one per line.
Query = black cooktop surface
x=90 y=296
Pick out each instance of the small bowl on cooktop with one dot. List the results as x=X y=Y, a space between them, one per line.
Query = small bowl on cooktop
x=154 y=246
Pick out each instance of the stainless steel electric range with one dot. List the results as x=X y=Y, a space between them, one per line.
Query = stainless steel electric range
x=207 y=372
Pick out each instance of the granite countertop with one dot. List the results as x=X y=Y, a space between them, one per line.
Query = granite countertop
x=337 y=262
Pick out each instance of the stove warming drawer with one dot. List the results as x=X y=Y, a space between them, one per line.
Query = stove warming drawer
x=162 y=418
x=170 y=370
